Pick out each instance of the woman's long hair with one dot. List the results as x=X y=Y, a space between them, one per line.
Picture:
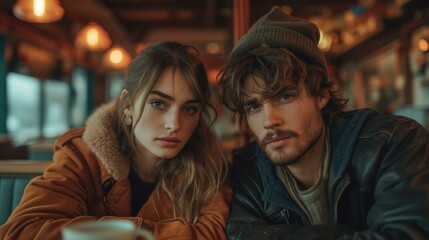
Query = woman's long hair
x=201 y=166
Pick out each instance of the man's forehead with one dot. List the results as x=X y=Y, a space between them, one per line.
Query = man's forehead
x=253 y=83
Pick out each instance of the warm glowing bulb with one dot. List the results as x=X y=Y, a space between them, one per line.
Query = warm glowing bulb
x=116 y=56
x=423 y=45
x=40 y=11
x=92 y=37
x=213 y=48
x=325 y=42
x=39 y=7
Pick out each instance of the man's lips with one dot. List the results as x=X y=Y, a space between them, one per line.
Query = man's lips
x=268 y=141
x=276 y=142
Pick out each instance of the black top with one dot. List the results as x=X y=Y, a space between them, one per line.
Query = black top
x=140 y=191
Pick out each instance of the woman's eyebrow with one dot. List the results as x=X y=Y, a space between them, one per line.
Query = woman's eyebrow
x=161 y=94
x=166 y=96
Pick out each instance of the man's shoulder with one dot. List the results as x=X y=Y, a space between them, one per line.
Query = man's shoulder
x=246 y=153
x=373 y=121
x=390 y=123
x=245 y=165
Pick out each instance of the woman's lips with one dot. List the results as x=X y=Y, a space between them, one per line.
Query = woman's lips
x=169 y=141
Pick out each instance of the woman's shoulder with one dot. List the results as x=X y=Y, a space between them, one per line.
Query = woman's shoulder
x=72 y=153
x=71 y=134
x=70 y=146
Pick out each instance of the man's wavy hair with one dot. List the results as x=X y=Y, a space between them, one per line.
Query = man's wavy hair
x=281 y=72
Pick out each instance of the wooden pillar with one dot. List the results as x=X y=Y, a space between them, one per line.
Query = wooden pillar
x=91 y=78
x=3 y=87
x=241 y=18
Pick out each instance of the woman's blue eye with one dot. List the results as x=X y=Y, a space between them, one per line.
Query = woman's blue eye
x=157 y=104
x=190 y=110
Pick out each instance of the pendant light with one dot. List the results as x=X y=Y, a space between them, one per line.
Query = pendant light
x=117 y=58
x=93 y=37
x=39 y=11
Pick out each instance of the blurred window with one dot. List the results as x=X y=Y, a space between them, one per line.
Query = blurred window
x=23 y=102
x=56 y=104
x=80 y=97
x=114 y=86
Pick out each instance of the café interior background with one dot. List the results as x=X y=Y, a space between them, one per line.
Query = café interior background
x=59 y=60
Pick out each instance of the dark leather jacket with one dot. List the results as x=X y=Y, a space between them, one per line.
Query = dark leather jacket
x=379 y=185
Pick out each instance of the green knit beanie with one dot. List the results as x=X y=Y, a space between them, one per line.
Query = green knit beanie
x=277 y=29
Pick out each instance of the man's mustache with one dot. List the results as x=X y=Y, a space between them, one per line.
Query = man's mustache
x=276 y=134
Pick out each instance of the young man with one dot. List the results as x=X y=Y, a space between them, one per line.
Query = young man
x=316 y=171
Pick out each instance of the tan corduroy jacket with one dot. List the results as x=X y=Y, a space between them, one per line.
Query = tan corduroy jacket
x=71 y=190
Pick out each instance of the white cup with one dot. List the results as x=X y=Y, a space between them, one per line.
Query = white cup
x=113 y=229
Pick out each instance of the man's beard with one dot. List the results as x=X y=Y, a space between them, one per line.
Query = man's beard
x=279 y=156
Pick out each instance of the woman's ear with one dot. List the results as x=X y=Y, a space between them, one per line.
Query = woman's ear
x=128 y=106
x=124 y=94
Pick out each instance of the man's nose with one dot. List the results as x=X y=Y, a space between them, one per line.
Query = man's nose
x=272 y=116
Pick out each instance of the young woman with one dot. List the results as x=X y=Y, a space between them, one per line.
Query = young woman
x=150 y=156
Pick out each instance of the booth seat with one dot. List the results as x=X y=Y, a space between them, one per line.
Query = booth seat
x=41 y=151
x=14 y=176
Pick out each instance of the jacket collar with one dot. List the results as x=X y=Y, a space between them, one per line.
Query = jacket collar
x=274 y=190
x=101 y=136
x=344 y=134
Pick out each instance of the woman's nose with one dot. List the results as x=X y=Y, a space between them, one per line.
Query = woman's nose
x=172 y=121
x=272 y=116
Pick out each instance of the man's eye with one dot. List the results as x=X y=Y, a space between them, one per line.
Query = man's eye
x=252 y=108
x=157 y=104
x=286 y=98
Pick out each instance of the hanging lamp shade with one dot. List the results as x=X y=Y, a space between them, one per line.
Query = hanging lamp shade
x=40 y=11
x=93 y=37
x=117 y=58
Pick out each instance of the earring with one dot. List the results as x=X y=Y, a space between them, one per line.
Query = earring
x=128 y=120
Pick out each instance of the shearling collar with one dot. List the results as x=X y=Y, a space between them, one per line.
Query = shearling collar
x=101 y=136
